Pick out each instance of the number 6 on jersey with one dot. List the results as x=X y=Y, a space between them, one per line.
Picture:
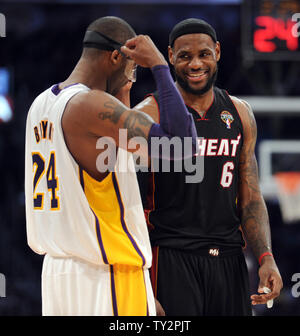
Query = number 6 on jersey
x=227 y=175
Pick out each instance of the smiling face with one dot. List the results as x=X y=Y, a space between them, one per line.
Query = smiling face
x=195 y=57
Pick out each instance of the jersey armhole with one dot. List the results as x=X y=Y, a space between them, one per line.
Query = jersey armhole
x=154 y=96
x=237 y=111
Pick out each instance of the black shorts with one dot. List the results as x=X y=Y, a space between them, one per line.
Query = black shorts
x=208 y=282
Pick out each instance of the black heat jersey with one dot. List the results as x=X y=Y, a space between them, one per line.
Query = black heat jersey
x=195 y=215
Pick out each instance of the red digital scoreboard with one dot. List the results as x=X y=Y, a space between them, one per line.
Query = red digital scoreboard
x=271 y=29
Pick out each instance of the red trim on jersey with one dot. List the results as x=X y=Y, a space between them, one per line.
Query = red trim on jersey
x=154 y=269
x=242 y=138
x=238 y=113
x=204 y=115
x=150 y=201
x=151 y=95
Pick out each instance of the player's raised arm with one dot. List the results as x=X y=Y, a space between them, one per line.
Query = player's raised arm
x=254 y=216
x=175 y=120
x=103 y=115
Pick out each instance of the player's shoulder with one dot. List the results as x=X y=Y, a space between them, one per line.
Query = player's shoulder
x=246 y=115
x=89 y=100
x=88 y=96
x=39 y=102
x=42 y=96
x=243 y=107
x=149 y=106
x=241 y=104
x=149 y=100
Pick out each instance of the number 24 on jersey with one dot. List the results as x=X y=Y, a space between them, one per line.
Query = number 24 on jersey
x=40 y=166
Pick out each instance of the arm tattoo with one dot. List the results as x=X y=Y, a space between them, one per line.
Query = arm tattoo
x=134 y=122
x=254 y=215
x=255 y=223
x=114 y=115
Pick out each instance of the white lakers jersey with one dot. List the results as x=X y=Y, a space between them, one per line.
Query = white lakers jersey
x=70 y=214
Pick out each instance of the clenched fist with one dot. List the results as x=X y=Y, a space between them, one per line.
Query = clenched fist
x=143 y=51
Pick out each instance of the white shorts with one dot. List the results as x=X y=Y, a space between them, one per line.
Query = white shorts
x=71 y=287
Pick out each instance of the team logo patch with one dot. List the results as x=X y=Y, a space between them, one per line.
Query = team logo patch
x=227 y=118
x=214 y=252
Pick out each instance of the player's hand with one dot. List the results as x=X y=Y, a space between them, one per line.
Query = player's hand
x=159 y=309
x=269 y=277
x=124 y=94
x=143 y=51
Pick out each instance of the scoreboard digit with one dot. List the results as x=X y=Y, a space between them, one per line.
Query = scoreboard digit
x=271 y=29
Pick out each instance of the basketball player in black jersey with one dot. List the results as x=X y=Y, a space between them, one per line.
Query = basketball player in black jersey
x=197 y=230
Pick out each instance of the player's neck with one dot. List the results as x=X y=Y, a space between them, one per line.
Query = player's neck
x=85 y=74
x=200 y=103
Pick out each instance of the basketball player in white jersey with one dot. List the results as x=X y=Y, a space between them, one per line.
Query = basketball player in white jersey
x=90 y=224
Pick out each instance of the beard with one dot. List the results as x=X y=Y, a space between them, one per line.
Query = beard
x=186 y=87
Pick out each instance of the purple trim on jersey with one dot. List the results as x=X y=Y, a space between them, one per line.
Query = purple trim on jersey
x=100 y=238
x=56 y=90
x=113 y=291
x=116 y=186
x=81 y=178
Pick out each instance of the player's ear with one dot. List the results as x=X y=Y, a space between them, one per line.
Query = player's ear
x=218 y=51
x=171 y=55
x=115 y=57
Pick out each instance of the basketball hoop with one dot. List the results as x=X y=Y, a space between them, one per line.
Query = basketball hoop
x=288 y=192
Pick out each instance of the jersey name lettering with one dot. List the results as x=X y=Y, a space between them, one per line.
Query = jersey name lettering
x=218 y=147
x=44 y=130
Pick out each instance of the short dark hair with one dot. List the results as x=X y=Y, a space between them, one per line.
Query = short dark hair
x=113 y=27
x=191 y=26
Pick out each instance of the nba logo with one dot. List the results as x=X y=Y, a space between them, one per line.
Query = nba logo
x=227 y=118
x=214 y=252
x=2 y=25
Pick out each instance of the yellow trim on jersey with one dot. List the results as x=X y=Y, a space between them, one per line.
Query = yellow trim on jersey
x=129 y=290
x=103 y=200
